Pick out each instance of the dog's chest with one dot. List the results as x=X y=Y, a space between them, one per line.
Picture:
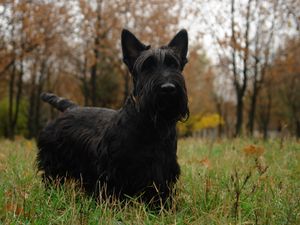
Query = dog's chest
x=145 y=162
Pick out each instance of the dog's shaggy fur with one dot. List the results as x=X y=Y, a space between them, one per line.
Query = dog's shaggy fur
x=131 y=151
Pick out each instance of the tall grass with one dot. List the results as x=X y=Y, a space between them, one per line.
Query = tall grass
x=237 y=181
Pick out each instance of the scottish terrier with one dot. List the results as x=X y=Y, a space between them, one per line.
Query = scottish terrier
x=130 y=151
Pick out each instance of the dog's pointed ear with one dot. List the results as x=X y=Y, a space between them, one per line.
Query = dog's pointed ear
x=131 y=48
x=180 y=44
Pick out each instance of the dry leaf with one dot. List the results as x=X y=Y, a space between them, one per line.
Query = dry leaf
x=252 y=150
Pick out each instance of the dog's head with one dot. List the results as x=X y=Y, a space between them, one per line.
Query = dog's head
x=159 y=85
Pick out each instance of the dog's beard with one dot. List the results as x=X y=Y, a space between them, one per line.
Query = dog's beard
x=165 y=108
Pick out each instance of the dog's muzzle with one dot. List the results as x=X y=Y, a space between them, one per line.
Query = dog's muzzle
x=168 y=89
x=168 y=97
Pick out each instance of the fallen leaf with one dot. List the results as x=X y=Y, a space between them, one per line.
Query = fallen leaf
x=14 y=209
x=252 y=150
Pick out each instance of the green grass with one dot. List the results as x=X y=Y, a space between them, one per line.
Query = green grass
x=220 y=184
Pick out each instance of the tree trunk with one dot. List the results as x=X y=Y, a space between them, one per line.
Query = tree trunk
x=298 y=129
x=240 y=84
x=251 y=114
x=258 y=81
x=253 y=101
x=10 y=128
x=85 y=82
x=11 y=84
x=18 y=96
x=42 y=78
x=94 y=69
x=37 y=111
x=30 y=122
x=235 y=75
x=267 y=117
x=93 y=81
x=35 y=102
x=219 y=110
x=239 y=115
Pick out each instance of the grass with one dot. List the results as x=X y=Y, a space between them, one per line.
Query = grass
x=237 y=181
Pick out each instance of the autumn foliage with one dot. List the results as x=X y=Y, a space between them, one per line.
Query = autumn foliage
x=242 y=76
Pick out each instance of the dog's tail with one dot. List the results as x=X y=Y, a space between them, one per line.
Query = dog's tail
x=61 y=104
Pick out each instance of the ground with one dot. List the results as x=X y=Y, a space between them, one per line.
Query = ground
x=238 y=181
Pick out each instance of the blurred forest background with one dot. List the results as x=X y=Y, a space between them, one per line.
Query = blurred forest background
x=243 y=74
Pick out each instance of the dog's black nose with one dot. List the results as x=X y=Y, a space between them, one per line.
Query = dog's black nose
x=168 y=88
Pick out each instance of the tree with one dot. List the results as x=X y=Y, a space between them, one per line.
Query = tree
x=18 y=46
x=48 y=23
x=101 y=23
x=261 y=55
x=286 y=66
x=245 y=36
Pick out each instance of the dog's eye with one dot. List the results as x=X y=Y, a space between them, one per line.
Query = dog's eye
x=148 y=64
x=171 y=62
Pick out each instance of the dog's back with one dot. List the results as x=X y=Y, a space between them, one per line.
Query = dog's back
x=68 y=145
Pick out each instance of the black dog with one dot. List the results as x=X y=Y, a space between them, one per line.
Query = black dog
x=131 y=151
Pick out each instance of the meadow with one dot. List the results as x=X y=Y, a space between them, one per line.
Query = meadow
x=240 y=181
